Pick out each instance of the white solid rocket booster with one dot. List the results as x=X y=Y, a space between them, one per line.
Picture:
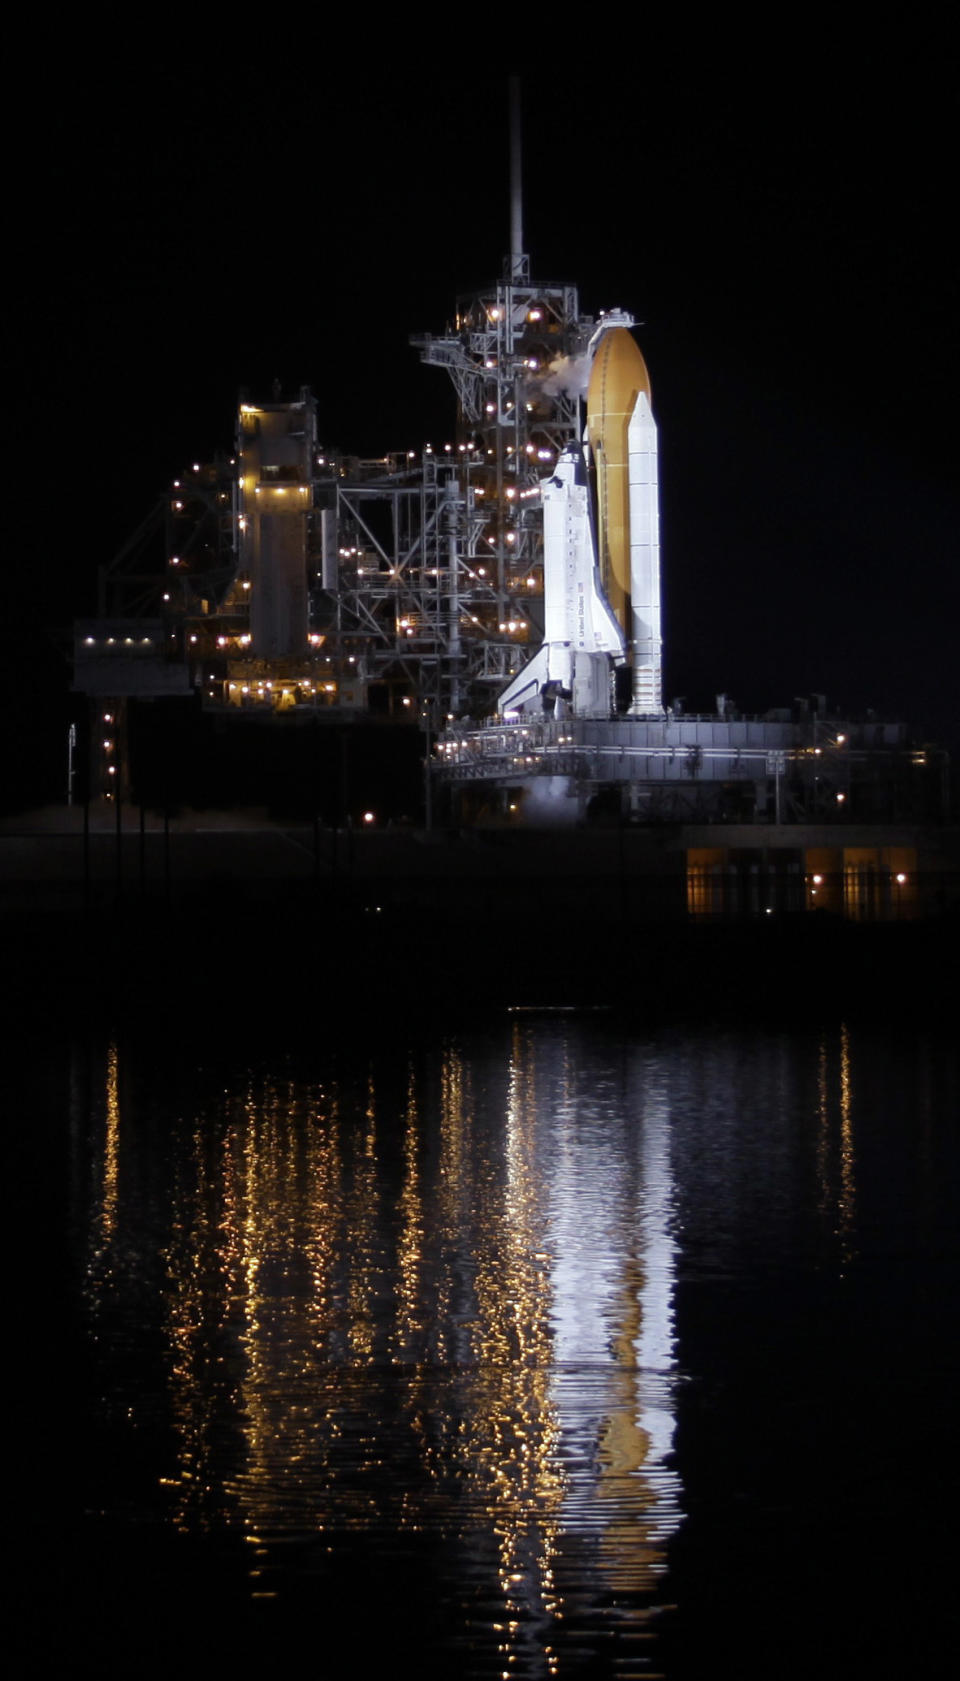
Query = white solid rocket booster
x=644 y=558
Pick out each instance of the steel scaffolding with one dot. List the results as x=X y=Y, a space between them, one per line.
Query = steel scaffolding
x=515 y=355
x=424 y=576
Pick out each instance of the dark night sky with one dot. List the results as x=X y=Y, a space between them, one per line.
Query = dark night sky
x=192 y=220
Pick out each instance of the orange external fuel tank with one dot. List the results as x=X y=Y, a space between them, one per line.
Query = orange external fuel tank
x=618 y=375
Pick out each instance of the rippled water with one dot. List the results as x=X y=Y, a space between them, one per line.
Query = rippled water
x=540 y=1349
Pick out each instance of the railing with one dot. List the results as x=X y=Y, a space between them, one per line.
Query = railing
x=649 y=750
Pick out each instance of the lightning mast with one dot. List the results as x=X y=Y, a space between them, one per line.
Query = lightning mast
x=513 y=353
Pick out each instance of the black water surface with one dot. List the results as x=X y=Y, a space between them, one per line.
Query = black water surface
x=542 y=1348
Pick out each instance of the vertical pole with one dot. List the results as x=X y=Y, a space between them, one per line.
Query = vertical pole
x=118 y=823
x=344 y=779
x=315 y=766
x=166 y=815
x=454 y=601
x=345 y=798
x=502 y=342
x=516 y=182
x=86 y=847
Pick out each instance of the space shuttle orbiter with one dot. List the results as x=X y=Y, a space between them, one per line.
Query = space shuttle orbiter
x=601 y=551
x=581 y=633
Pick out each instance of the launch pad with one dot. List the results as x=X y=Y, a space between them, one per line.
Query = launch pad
x=499 y=592
x=717 y=769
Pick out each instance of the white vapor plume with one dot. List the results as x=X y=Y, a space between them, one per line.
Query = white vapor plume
x=567 y=376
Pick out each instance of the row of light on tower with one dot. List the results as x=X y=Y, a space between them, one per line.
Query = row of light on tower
x=121 y=641
x=267 y=687
x=495 y=313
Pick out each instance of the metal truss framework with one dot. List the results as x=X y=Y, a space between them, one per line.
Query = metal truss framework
x=417 y=604
x=182 y=554
x=684 y=770
x=513 y=357
x=425 y=578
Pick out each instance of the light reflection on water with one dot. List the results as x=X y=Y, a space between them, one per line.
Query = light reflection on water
x=428 y=1300
x=446 y=1307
